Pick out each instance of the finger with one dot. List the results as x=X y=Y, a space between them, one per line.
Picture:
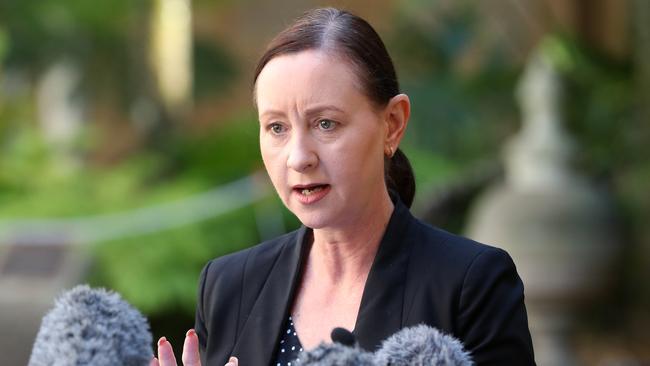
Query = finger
x=154 y=362
x=165 y=353
x=191 y=349
x=233 y=361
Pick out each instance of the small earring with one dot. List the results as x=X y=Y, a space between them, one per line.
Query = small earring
x=390 y=152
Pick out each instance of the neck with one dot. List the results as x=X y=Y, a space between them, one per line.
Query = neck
x=346 y=253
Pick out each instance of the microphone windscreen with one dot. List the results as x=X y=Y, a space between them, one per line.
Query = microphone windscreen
x=422 y=345
x=335 y=354
x=92 y=327
x=343 y=336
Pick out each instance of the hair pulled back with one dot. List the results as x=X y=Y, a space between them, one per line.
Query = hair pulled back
x=349 y=36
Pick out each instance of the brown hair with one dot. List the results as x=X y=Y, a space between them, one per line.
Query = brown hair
x=351 y=37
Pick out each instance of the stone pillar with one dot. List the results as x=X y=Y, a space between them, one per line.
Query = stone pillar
x=170 y=56
x=552 y=221
x=33 y=271
x=60 y=110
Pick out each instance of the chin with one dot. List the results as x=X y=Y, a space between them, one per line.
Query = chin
x=314 y=220
x=318 y=218
x=328 y=213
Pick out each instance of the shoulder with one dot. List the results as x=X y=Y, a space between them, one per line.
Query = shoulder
x=453 y=255
x=228 y=287
x=225 y=271
x=479 y=285
x=230 y=284
x=450 y=273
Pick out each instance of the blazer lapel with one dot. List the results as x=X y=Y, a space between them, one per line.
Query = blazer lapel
x=256 y=343
x=381 y=310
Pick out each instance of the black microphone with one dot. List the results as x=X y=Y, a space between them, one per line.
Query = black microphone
x=422 y=345
x=92 y=327
x=344 y=351
x=343 y=336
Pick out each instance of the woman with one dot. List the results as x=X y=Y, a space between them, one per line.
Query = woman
x=331 y=120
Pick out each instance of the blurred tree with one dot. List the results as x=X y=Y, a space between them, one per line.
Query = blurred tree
x=640 y=130
x=109 y=45
x=43 y=30
x=86 y=39
x=462 y=100
x=4 y=44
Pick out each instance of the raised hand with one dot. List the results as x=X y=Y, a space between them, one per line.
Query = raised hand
x=190 y=355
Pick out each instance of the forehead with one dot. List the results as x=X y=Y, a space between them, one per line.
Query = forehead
x=304 y=78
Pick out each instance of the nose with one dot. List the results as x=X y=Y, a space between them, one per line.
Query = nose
x=302 y=155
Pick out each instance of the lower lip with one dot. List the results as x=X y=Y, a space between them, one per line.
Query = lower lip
x=312 y=198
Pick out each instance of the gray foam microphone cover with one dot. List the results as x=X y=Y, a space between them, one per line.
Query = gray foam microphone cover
x=335 y=354
x=423 y=346
x=92 y=327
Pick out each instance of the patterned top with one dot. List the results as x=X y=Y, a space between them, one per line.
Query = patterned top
x=290 y=347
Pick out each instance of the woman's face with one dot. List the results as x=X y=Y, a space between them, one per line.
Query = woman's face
x=321 y=139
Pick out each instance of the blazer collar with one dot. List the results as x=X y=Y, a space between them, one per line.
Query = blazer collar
x=257 y=341
x=381 y=309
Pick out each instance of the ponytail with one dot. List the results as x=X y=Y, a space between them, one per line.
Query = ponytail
x=400 y=178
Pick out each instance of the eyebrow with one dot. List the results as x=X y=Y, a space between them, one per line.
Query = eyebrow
x=309 y=112
x=321 y=108
x=271 y=113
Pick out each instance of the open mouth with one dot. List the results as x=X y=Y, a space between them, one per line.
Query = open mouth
x=308 y=191
x=312 y=193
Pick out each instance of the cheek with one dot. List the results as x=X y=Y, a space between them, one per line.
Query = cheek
x=360 y=158
x=272 y=162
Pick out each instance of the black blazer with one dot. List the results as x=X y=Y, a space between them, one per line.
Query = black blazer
x=420 y=275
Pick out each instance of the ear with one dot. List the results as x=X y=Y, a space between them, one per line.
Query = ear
x=396 y=117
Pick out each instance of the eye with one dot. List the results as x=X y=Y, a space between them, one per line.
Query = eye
x=276 y=128
x=326 y=124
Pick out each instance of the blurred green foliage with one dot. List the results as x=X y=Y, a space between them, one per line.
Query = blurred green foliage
x=40 y=30
x=4 y=44
x=465 y=114
x=458 y=115
x=213 y=68
x=157 y=272
x=599 y=102
x=602 y=114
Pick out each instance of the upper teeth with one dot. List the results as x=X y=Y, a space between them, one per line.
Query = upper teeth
x=308 y=191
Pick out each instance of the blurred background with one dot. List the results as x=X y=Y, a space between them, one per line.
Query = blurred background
x=129 y=153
